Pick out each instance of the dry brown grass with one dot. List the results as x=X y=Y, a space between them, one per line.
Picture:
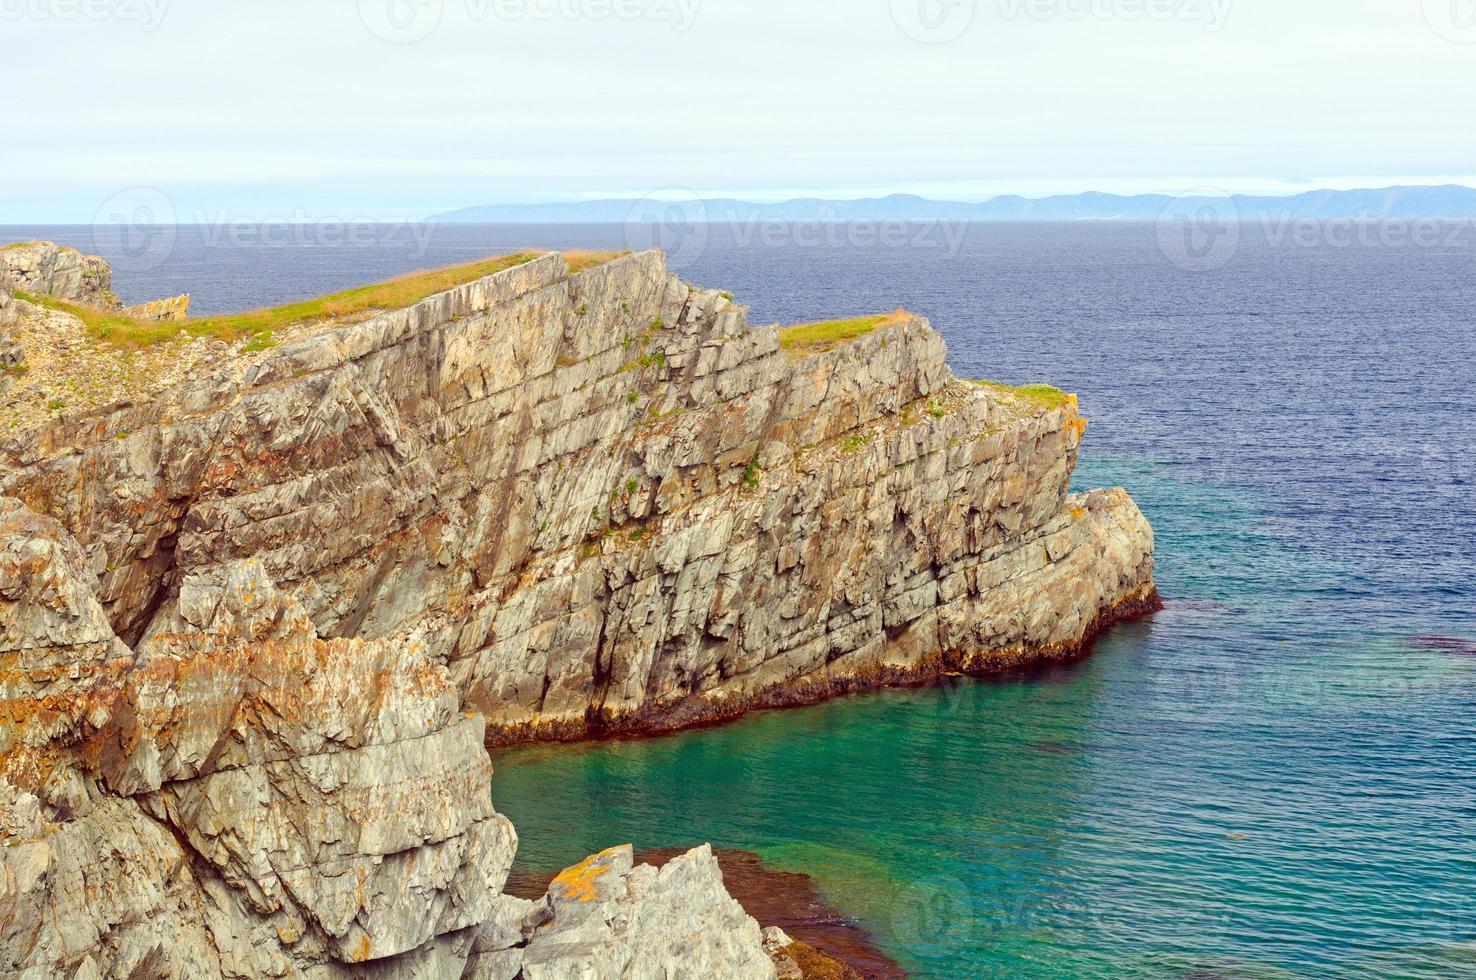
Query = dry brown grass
x=579 y=259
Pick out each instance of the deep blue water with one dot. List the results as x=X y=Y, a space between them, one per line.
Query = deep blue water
x=1274 y=777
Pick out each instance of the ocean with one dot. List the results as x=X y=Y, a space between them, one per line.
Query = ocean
x=1274 y=777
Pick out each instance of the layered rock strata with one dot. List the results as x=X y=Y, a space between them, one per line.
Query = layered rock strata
x=173 y=309
x=239 y=798
x=47 y=269
x=607 y=502
x=12 y=355
x=255 y=629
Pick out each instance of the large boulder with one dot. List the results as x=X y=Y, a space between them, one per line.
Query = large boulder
x=48 y=269
x=604 y=919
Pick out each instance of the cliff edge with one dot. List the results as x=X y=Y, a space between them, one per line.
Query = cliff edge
x=258 y=626
x=606 y=502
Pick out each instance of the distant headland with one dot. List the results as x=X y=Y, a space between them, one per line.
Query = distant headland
x=1448 y=202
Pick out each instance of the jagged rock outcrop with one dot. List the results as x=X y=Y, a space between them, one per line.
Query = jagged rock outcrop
x=607 y=502
x=238 y=798
x=605 y=919
x=12 y=355
x=256 y=629
x=235 y=778
x=48 y=269
x=174 y=309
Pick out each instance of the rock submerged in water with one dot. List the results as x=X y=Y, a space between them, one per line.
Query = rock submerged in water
x=831 y=946
x=258 y=628
x=1447 y=644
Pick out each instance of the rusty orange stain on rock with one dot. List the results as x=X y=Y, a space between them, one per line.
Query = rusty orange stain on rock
x=579 y=881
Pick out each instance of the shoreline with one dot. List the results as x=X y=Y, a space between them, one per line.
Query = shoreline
x=698 y=712
x=785 y=899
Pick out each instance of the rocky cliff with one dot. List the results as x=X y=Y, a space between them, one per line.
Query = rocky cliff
x=43 y=268
x=258 y=626
x=48 y=269
x=605 y=501
x=237 y=797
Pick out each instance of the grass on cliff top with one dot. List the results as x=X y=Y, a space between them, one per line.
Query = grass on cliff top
x=578 y=260
x=392 y=294
x=1044 y=395
x=810 y=338
x=15 y=245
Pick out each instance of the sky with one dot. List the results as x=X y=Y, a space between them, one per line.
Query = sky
x=356 y=110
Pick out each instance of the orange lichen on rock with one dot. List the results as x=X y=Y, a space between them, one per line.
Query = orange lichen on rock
x=579 y=882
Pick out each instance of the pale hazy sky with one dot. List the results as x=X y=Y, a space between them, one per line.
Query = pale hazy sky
x=361 y=109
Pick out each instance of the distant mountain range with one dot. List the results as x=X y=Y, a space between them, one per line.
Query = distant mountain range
x=1449 y=201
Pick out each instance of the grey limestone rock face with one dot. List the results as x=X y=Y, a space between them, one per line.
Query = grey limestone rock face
x=42 y=268
x=234 y=798
x=257 y=629
x=606 y=501
x=12 y=355
x=604 y=919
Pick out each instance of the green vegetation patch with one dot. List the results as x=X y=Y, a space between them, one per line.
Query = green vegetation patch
x=393 y=294
x=259 y=325
x=809 y=338
x=1046 y=396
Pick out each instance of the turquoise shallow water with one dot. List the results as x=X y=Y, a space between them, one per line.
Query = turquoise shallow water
x=1241 y=787
x=1275 y=777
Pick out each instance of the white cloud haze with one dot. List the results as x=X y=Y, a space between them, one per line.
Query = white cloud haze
x=273 y=109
